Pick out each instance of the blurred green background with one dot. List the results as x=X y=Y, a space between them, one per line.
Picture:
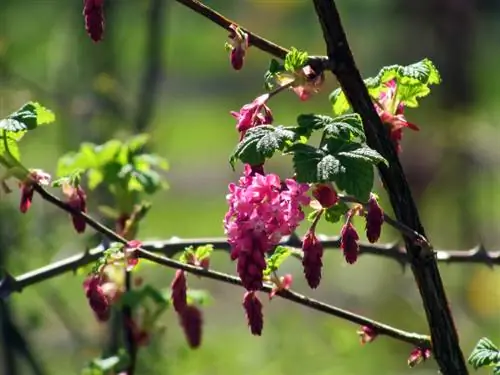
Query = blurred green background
x=100 y=91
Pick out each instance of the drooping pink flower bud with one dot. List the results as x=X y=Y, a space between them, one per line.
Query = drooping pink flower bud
x=349 y=242
x=325 y=194
x=284 y=283
x=312 y=259
x=310 y=83
x=131 y=254
x=417 y=356
x=250 y=115
x=179 y=291
x=374 y=219
x=367 y=334
x=77 y=199
x=251 y=265
x=36 y=176
x=238 y=44
x=93 y=11
x=253 y=311
x=97 y=298
x=191 y=320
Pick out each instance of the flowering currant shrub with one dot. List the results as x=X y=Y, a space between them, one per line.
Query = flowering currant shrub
x=332 y=180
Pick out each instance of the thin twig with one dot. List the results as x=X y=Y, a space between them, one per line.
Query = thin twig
x=445 y=340
x=255 y=40
x=173 y=246
x=382 y=329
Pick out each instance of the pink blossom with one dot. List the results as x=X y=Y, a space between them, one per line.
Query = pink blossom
x=238 y=46
x=310 y=83
x=418 y=355
x=312 y=259
x=253 y=311
x=253 y=114
x=260 y=212
x=36 y=176
x=349 y=242
x=391 y=112
x=325 y=194
x=367 y=334
x=77 y=199
x=101 y=293
x=374 y=219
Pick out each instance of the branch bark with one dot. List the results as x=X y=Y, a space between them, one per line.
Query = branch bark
x=445 y=340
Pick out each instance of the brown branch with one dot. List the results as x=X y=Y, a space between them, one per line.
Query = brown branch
x=254 y=39
x=419 y=340
x=445 y=340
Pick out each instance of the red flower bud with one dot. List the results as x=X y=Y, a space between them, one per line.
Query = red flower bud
x=26 y=198
x=349 y=242
x=205 y=263
x=77 y=199
x=93 y=12
x=253 y=310
x=283 y=283
x=367 y=334
x=179 y=291
x=417 y=356
x=312 y=260
x=374 y=220
x=325 y=194
x=238 y=46
x=191 y=321
x=98 y=300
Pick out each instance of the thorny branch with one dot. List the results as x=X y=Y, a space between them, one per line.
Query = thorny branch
x=13 y=284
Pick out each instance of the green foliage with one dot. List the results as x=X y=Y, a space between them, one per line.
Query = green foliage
x=412 y=81
x=348 y=127
x=122 y=166
x=485 y=354
x=260 y=143
x=271 y=75
x=16 y=125
x=200 y=253
x=350 y=166
x=334 y=214
x=107 y=366
x=342 y=156
x=199 y=297
x=295 y=59
x=280 y=254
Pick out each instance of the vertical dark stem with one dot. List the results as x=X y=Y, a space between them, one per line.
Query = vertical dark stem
x=146 y=99
x=9 y=359
x=127 y=328
x=151 y=74
x=445 y=341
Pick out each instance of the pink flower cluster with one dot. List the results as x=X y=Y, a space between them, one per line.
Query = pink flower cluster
x=261 y=211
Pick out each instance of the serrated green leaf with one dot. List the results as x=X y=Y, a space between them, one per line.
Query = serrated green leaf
x=413 y=82
x=484 y=354
x=349 y=165
x=28 y=117
x=260 y=143
x=9 y=147
x=270 y=75
x=280 y=254
x=187 y=255
x=295 y=59
x=137 y=142
x=334 y=214
x=339 y=101
x=204 y=251
x=348 y=127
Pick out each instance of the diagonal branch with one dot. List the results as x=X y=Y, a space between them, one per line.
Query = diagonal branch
x=445 y=340
x=254 y=39
x=415 y=339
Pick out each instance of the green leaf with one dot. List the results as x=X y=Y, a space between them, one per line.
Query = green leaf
x=280 y=254
x=485 y=354
x=9 y=147
x=260 y=143
x=270 y=75
x=348 y=127
x=28 y=117
x=350 y=165
x=413 y=82
x=187 y=255
x=137 y=142
x=204 y=251
x=339 y=102
x=295 y=60
x=334 y=214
